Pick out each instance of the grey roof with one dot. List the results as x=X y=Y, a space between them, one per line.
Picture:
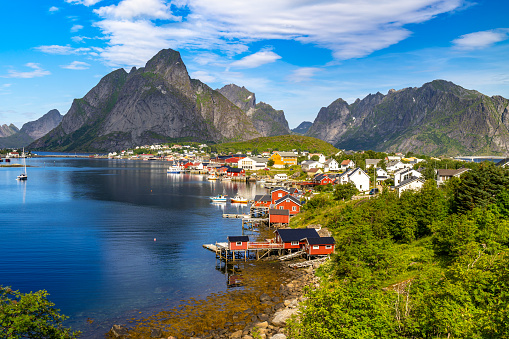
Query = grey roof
x=451 y=172
x=242 y=238
x=503 y=162
x=291 y=197
x=279 y=188
x=259 y=159
x=296 y=234
x=406 y=182
x=372 y=161
x=392 y=163
x=275 y=211
x=264 y=197
x=286 y=154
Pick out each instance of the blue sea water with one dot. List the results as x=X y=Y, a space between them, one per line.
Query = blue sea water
x=109 y=239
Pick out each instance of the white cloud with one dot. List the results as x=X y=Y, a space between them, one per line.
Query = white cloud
x=37 y=71
x=303 y=74
x=257 y=59
x=62 y=50
x=203 y=76
x=77 y=65
x=129 y=9
x=76 y=28
x=483 y=39
x=83 y=2
x=349 y=28
x=53 y=9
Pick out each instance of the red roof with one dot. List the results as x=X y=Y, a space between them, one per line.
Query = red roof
x=345 y=162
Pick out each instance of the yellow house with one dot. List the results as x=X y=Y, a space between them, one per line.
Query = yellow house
x=283 y=158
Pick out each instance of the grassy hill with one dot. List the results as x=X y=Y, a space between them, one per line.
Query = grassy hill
x=279 y=143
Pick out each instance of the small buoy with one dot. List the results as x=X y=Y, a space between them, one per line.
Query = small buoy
x=155 y=239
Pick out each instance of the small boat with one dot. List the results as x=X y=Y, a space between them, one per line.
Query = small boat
x=226 y=179
x=23 y=176
x=175 y=168
x=237 y=199
x=219 y=198
x=212 y=177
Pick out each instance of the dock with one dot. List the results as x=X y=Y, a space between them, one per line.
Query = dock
x=309 y=262
x=255 y=250
x=235 y=216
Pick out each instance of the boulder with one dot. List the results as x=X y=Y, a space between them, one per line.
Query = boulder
x=282 y=316
x=118 y=331
x=278 y=336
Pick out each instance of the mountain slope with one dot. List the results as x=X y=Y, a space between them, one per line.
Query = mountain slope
x=8 y=130
x=267 y=120
x=156 y=103
x=439 y=118
x=31 y=130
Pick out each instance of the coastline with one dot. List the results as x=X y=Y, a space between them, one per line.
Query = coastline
x=270 y=294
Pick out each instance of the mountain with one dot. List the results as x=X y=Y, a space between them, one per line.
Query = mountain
x=6 y=131
x=439 y=118
x=267 y=120
x=40 y=127
x=156 y=103
x=30 y=131
x=303 y=128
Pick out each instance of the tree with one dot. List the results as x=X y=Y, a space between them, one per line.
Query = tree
x=31 y=315
x=270 y=163
x=315 y=157
x=345 y=191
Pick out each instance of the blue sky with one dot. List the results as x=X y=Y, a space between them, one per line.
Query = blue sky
x=297 y=55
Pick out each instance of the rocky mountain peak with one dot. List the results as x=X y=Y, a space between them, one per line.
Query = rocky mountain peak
x=240 y=96
x=8 y=130
x=40 y=127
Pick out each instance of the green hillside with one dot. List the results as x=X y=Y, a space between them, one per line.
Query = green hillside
x=279 y=143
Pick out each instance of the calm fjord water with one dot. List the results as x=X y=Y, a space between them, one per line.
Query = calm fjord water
x=84 y=229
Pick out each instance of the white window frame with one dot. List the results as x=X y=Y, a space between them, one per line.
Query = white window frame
x=328 y=247
x=281 y=207
x=316 y=247
x=238 y=243
x=294 y=208
x=294 y=243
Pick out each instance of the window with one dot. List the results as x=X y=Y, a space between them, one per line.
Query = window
x=316 y=247
x=280 y=195
x=295 y=243
x=294 y=208
x=328 y=247
x=281 y=207
x=238 y=243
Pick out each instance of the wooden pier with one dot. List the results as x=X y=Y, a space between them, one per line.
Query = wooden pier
x=235 y=216
x=255 y=250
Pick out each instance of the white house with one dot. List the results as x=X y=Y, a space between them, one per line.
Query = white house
x=380 y=172
x=346 y=164
x=405 y=174
x=252 y=163
x=331 y=165
x=281 y=176
x=356 y=176
x=393 y=166
x=446 y=174
x=321 y=157
x=413 y=184
x=309 y=164
x=372 y=162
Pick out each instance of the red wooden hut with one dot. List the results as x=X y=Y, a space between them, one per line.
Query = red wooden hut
x=318 y=245
x=238 y=242
x=288 y=202
x=279 y=216
x=291 y=237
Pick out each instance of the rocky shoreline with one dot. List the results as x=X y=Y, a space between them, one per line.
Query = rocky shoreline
x=268 y=321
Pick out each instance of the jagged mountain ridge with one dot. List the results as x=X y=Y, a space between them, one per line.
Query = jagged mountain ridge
x=303 y=127
x=8 y=130
x=439 y=118
x=31 y=130
x=155 y=103
x=267 y=120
